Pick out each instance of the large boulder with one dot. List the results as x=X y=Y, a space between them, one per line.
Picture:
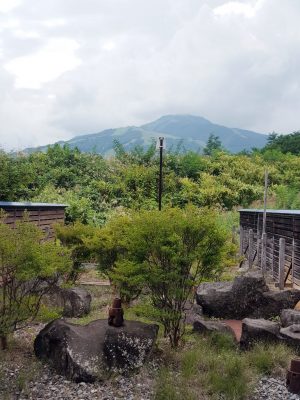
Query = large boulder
x=247 y=296
x=255 y=330
x=75 y=302
x=93 y=351
x=275 y=301
x=237 y=299
x=289 y=317
x=291 y=334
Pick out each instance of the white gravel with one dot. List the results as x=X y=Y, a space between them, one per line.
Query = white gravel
x=273 y=389
x=47 y=385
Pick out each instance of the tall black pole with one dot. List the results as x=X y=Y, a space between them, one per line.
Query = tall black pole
x=160 y=185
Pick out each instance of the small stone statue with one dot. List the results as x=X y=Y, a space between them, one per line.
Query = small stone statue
x=115 y=313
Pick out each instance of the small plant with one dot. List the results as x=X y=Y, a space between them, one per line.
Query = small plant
x=27 y=375
x=266 y=357
x=74 y=238
x=47 y=314
x=189 y=364
x=222 y=342
x=229 y=377
x=167 y=389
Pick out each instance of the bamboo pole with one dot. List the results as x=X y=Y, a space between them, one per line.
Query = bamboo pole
x=281 y=263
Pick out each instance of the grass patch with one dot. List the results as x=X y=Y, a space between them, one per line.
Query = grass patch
x=229 y=377
x=166 y=390
x=268 y=358
x=212 y=366
x=27 y=375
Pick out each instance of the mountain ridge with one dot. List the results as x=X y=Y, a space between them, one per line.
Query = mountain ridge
x=193 y=131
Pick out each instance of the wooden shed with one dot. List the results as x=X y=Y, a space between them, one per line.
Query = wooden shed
x=278 y=251
x=44 y=215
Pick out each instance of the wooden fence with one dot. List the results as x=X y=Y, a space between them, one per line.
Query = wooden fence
x=41 y=214
x=277 y=252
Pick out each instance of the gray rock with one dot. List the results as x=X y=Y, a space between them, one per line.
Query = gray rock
x=289 y=317
x=234 y=300
x=255 y=330
x=193 y=312
x=275 y=301
x=204 y=326
x=91 y=352
x=292 y=336
x=247 y=296
x=76 y=302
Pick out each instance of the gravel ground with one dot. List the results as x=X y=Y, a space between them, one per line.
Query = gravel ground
x=48 y=385
x=273 y=389
x=23 y=377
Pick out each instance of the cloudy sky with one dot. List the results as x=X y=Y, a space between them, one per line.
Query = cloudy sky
x=69 y=67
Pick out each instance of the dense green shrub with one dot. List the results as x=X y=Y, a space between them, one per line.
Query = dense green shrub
x=167 y=252
x=29 y=267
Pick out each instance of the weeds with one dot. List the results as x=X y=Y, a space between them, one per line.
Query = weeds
x=265 y=358
x=213 y=366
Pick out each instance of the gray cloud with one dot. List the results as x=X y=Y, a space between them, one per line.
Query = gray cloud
x=71 y=67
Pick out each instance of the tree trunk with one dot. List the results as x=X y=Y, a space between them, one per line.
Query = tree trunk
x=3 y=342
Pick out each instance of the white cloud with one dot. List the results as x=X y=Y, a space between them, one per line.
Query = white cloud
x=54 y=23
x=246 y=9
x=74 y=67
x=8 y=5
x=55 y=58
x=109 y=45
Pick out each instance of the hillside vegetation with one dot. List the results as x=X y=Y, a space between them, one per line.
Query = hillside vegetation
x=95 y=188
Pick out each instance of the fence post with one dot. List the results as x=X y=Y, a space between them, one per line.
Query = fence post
x=273 y=245
x=250 y=258
x=258 y=252
x=293 y=263
x=264 y=253
x=281 y=263
x=241 y=240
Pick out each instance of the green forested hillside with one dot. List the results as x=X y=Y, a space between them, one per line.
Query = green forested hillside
x=95 y=187
x=192 y=132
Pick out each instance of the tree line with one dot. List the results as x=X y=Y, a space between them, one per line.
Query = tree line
x=95 y=187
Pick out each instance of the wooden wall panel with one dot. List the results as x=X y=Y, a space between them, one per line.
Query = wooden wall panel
x=45 y=218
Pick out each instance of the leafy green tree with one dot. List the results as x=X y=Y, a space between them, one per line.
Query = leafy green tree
x=285 y=143
x=16 y=178
x=213 y=144
x=169 y=252
x=29 y=267
x=74 y=237
x=272 y=138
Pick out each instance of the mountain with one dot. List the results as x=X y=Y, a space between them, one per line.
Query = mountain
x=191 y=131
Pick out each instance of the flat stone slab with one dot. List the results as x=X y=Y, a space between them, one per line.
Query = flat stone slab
x=256 y=330
x=289 y=317
x=291 y=334
x=93 y=351
x=204 y=326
